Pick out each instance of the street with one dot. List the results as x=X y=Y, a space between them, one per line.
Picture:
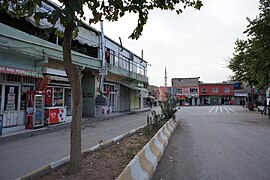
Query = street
x=25 y=155
x=217 y=142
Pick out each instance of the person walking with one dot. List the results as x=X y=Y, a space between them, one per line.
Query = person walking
x=264 y=107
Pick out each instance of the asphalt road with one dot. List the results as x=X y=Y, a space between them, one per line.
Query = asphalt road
x=24 y=155
x=221 y=142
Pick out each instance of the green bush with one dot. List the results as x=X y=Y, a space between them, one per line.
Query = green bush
x=156 y=121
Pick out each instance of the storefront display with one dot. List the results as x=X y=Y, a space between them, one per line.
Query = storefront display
x=55 y=110
x=55 y=115
x=34 y=109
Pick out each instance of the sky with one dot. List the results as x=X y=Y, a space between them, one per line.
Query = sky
x=196 y=43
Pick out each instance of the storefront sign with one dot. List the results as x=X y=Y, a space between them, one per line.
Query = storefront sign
x=24 y=72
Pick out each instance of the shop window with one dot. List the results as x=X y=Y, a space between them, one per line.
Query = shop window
x=58 y=97
x=11 y=98
x=25 y=88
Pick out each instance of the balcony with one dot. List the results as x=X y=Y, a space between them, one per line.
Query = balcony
x=127 y=69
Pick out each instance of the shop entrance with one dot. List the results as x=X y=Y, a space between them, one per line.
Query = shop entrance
x=10 y=104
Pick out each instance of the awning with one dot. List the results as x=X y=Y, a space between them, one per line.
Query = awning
x=135 y=87
x=18 y=71
x=143 y=89
x=58 y=78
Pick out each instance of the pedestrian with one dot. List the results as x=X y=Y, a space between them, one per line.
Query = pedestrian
x=243 y=103
x=151 y=104
x=264 y=107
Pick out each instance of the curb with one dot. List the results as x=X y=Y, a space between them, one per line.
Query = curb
x=144 y=164
x=64 y=161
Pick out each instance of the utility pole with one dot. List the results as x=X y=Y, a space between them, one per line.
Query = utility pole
x=103 y=69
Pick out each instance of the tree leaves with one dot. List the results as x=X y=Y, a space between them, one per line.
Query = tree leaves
x=251 y=61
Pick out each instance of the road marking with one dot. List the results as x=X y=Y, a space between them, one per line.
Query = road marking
x=231 y=109
x=217 y=109
x=220 y=109
x=212 y=109
x=226 y=109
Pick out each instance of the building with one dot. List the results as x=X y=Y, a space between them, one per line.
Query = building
x=240 y=93
x=31 y=60
x=186 y=90
x=216 y=93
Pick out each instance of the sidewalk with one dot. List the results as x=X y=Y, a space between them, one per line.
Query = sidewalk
x=12 y=133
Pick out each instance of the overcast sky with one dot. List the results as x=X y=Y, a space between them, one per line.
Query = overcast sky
x=192 y=44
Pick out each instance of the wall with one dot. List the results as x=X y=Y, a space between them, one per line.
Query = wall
x=185 y=82
x=221 y=87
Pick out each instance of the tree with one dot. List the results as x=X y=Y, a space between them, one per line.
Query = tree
x=251 y=61
x=70 y=14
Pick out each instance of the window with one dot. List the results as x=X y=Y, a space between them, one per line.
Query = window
x=215 y=90
x=11 y=98
x=227 y=90
x=193 y=90
x=179 y=91
x=204 y=91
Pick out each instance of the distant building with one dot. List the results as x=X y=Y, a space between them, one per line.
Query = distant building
x=186 y=90
x=240 y=93
x=216 y=93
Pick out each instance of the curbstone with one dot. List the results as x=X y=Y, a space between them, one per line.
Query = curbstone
x=57 y=164
x=158 y=144
x=136 y=170
x=37 y=173
x=118 y=138
x=166 y=132
x=145 y=162
x=126 y=174
x=163 y=137
x=150 y=156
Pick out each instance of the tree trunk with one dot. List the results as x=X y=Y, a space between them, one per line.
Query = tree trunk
x=74 y=75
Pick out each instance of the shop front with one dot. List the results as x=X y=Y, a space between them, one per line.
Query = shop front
x=14 y=84
x=215 y=100
x=58 y=102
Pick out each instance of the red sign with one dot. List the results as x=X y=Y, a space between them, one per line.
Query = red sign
x=24 y=72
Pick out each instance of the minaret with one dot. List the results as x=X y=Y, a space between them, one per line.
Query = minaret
x=165 y=84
